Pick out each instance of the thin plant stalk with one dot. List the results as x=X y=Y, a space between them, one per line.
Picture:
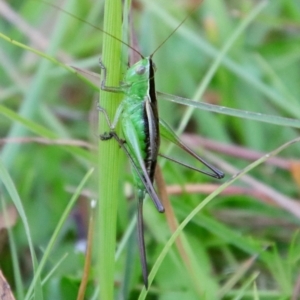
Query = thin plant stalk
x=109 y=154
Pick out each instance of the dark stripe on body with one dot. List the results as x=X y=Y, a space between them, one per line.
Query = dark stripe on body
x=151 y=154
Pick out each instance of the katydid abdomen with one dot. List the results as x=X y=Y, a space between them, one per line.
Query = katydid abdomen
x=134 y=119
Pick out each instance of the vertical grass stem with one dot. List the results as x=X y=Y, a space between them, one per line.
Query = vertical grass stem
x=109 y=154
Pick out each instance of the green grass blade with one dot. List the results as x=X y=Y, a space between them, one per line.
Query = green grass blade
x=12 y=191
x=55 y=234
x=41 y=131
x=55 y=267
x=49 y=58
x=238 y=70
x=109 y=155
x=35 y=93
x=245 y=286
x=237 y=275
x=218 y=60
x=15 y=261
x=281 y=121
x=204 y=203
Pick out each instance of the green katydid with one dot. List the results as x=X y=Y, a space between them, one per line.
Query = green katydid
x=141 y=128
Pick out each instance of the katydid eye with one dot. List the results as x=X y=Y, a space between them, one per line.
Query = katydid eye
x=140 y=70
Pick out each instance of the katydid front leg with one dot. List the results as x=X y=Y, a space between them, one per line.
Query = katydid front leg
x=113 y=89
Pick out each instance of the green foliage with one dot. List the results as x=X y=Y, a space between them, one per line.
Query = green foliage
x=238 y=243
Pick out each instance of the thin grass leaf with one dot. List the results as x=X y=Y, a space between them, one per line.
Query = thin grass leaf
x=12 y=191
x=204 y=203
x=15 y=260
x=234 y=67
x=40 y=130
x=245 y=286
x=56 y=232
x=234 y=279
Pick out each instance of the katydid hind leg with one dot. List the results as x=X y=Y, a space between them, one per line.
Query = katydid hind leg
x=189 y=166
x=169 y=134
x=144 y=177
x=140 y=229
x=217 y=173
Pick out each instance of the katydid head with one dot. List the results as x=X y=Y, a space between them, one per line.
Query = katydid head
x=140 y=71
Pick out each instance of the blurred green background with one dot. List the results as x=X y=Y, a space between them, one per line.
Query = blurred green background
x=244 y=244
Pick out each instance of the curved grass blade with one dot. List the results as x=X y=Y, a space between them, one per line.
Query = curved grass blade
x=59 y=225
x=49 y=58
x=295 y=123
x=204 y=203
x=40 y=130
x=12 y=191
x=231 y=65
